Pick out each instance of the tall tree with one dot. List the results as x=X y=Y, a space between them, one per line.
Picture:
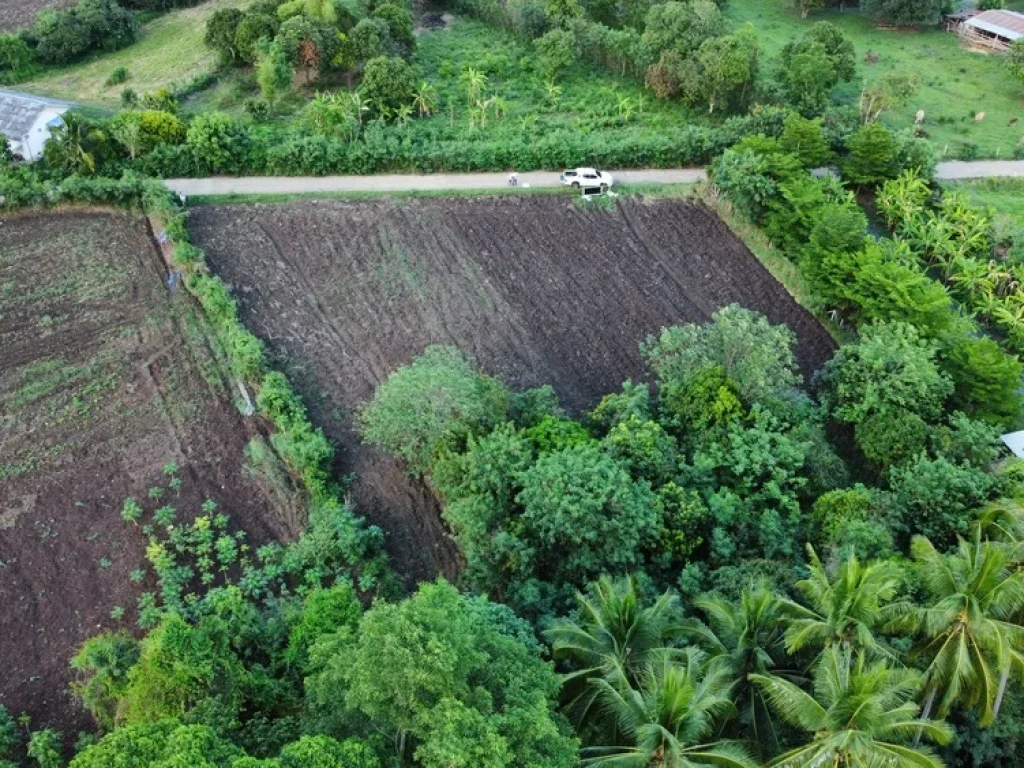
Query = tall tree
x=861 y=713
x=846 y=610
x=667 y=719
x=969 y=631
x=748 y=636
x=614 y=633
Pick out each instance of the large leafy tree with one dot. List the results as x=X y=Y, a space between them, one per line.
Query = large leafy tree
x=437 y=671
x=436 y=401
x=756 y=355
x=584 y=515
x=667 y=720
x=891 y=370
x=861 y=713
x=728 y=69
x=968 y=628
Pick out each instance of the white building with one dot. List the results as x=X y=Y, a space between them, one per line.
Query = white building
x=26 y=121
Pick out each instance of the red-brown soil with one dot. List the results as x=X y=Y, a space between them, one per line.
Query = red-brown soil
x=105 y=378
x=21 y=13
x=535 y=289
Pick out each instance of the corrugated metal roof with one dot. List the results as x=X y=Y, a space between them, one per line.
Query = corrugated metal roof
x=19 y=112
x=1008 y=24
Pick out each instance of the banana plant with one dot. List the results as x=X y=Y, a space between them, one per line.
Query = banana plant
x=475 y=81
x=425 y=99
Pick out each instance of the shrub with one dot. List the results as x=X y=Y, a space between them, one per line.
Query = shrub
x=117 y=77
x=63 y=36
x=873 y=156
x=216 y=141
x=435 y=402
x=388 y=83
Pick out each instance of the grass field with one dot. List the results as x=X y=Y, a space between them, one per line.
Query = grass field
x=956 y=83
x=170 y=50
x=1005 y=196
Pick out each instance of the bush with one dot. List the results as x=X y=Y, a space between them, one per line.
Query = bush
x=216 y=141
x=873 y=156
x=117 y=77
x=435 y=402
x=388 y=83
x=63 y=36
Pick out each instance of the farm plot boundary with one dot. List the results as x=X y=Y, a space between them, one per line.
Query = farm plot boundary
x=535 y=288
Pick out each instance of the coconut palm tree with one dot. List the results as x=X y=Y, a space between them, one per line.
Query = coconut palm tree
x=668 y=716
x=968 y=631
x=615 y=634
x=748 y=636
x=845 y=610
x=71 y=142
x=861 y=713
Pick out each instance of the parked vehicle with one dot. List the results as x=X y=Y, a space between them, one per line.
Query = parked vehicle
x=586 y=177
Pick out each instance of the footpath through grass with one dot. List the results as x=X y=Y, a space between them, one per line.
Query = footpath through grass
x=956 y=83
x=170 y=50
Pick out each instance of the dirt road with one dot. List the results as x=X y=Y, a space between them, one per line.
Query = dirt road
x=297 y=185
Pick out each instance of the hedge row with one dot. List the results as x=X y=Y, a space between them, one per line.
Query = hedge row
x=270 y=150
x=303 y=447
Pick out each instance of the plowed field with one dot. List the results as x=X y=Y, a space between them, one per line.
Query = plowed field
x=21 y=13
x=105 y=379
x=536 y=290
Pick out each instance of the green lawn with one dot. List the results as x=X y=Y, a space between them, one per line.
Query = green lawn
x=1005 y=196
x=170 y=50
x=956 y=83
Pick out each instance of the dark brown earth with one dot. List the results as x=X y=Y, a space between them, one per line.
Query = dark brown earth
x=21 y=13
x=104 y=379
x=535 y=289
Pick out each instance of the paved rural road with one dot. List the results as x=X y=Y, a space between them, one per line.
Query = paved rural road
x=293 y=185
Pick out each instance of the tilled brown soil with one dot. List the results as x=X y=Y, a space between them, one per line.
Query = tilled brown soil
x=105 y=378
x=21 y=13
x=535 y=289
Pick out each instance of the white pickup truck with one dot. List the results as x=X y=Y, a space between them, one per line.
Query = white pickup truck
x=586 y=177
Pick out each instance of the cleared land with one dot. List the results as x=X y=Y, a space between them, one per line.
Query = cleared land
x=534 y=288
x=21 y=13
x=170 y=50
x=956 y=83
x=105 y=379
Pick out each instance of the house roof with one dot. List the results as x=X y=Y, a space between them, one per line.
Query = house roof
x=19 y=112
x=1008 y=24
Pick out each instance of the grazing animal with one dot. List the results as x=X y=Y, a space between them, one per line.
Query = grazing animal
x=872 y=57
x=979 y=117
x=919 y=117
x=1013 y=121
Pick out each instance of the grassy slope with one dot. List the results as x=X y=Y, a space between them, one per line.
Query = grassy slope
x=170 y=50
x=956 y=83
x=1005 y=196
